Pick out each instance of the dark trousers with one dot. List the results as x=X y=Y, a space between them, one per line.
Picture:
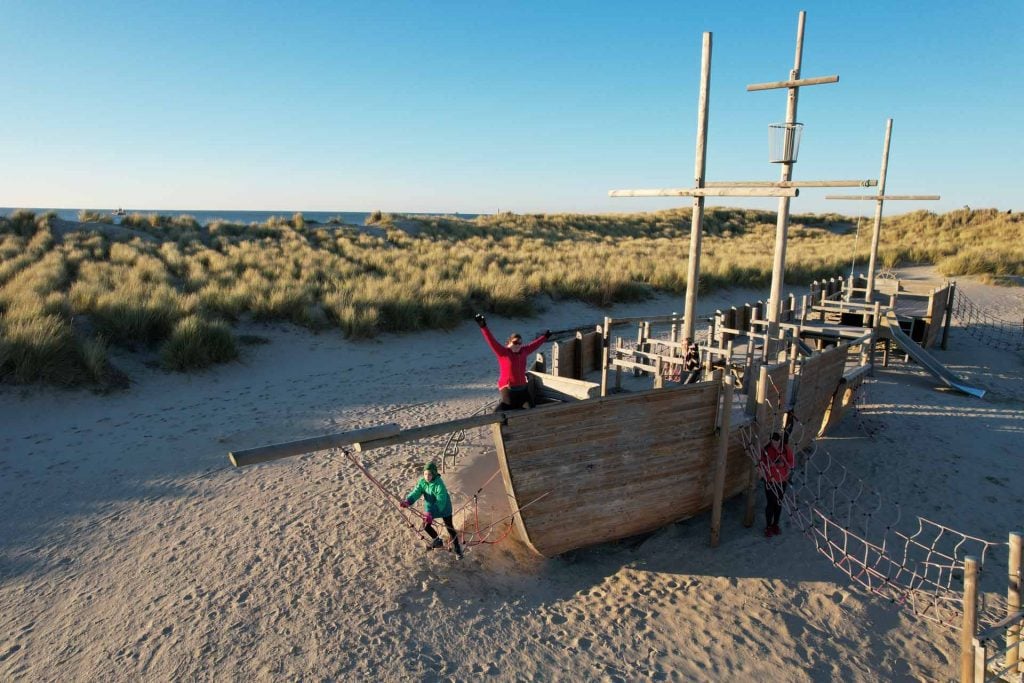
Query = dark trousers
x=692 y=376
x=429 y=528
x=773 y=493
x=514 y=398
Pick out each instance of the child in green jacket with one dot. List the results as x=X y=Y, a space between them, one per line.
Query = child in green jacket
x=438 y=504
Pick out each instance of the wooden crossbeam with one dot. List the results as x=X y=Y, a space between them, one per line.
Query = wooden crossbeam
x=795 y=83
x=710 y=192
x=253 y=456
x=791 y=183
x=885 y=197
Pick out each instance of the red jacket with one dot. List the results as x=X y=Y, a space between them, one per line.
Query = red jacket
x=511 y=364
x=776 y=464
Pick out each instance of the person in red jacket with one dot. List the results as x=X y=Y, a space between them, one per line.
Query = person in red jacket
x=511 y=365
x=777 y=462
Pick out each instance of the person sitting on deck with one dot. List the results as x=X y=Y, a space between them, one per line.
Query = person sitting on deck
x=777 y=462
x=691 y=362
x=438 y=504
x=511 y=365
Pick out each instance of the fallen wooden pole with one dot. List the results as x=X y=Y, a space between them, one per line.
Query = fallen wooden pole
x=253 y=456
x=416 y=433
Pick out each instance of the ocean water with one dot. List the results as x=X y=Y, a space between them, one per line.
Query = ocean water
x=205 y=217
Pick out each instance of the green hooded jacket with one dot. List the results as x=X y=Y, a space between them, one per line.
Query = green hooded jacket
x=435 y=496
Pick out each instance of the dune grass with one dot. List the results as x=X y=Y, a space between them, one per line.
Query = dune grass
x=65 y=302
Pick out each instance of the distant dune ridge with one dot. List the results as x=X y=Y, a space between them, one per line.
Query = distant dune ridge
x=168 y=287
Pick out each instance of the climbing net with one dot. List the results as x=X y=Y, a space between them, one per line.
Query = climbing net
x=471 y=531
x=985 y=327
x=916 y=565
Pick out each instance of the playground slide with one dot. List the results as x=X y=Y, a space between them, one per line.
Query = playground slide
x=926 y=360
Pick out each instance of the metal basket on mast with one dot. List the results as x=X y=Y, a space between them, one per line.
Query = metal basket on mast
x=784 y=142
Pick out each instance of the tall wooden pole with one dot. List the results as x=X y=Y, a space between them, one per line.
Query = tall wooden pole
x=1013 y=600
x=697 y=217
x=970 y=621
x=876 y=234
x=721 y=459
x=782 y=223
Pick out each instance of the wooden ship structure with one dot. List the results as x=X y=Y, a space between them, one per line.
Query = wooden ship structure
x=619 y=446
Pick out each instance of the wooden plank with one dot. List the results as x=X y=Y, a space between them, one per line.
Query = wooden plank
x=710 y=192
x=563 y=355
x=885 y=197
x=510 y=489
x=589 y=345
x=624 y=472
x=792 y=183
x=793 y=83
x=565 y=387
x=253 y=456
x=417 y=433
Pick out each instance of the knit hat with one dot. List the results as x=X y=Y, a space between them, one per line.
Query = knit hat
x=430 y=467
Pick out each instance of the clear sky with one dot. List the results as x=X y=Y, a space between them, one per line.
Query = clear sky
x=484 y=106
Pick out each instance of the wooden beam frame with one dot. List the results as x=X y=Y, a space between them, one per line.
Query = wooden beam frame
x=793 y=83
x=791 y=183
x=885 y=197
x=710 y=192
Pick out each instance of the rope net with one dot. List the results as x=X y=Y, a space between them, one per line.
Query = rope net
x=917 y=564
x=985 y=327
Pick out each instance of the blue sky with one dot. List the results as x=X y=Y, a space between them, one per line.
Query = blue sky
x=486 y=106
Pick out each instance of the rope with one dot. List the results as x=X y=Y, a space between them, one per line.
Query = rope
x=919 y=569
x=986 y=327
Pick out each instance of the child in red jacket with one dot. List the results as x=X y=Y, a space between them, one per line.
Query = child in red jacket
x=777 y=462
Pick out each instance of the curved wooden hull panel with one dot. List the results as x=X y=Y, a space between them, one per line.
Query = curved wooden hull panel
x=608 y=468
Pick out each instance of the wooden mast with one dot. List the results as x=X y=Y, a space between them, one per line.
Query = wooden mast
x=697 y=214
x=784 y=189
x=793 y=85
x=879 y=200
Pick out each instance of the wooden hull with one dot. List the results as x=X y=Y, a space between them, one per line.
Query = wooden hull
x=609 y=468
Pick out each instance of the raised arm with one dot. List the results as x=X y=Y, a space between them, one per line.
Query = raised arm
x=536 y=343
x=497 y=348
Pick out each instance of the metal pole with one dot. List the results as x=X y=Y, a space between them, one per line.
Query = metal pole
x=697 y=215
x=877 y=232
x=782 y=223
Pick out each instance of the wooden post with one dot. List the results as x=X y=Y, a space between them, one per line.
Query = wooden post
x=697 y=216
x=618 y=368
x=877 y=232
x=659 y=381
x=606 y=340
x=721 y=459
x=762 y=395
x=885 y=353
x=874 y=336
x=970 y=620
x=949 y=314
x=1014 y=657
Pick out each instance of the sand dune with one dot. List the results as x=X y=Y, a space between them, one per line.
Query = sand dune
x=130 y=549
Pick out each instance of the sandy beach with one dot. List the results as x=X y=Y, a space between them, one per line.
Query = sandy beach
x=131 y=550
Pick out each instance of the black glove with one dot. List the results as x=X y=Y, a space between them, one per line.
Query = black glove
x=547 y=334
x=479 y=318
